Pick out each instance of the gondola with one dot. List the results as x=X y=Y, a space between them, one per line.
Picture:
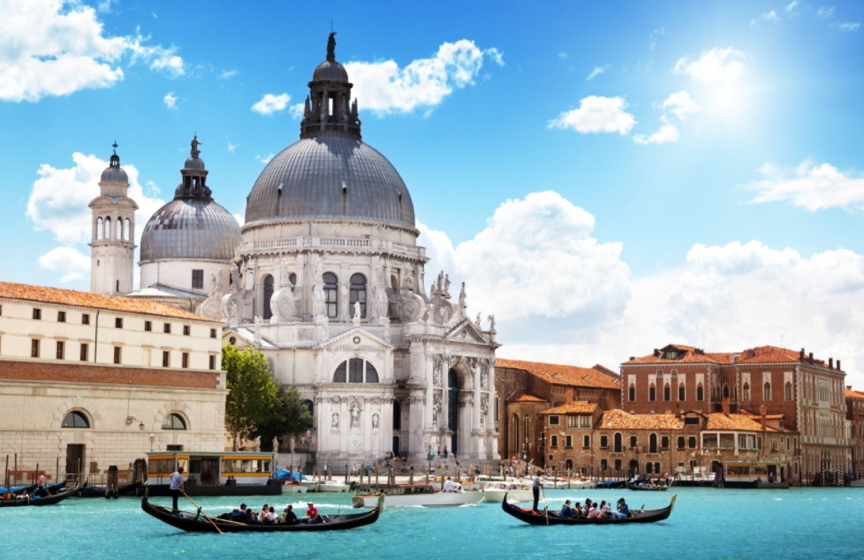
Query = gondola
x=39 y=502
x=637 y=488
x=99 y=491
x=554 y=518
x=33 y=487
x=197 y=523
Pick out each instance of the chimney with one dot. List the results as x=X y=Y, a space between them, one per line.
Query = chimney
x=838 y=365
x=801 y=355
x=656 y=353
x=849 y=387
x=632 y=358
x=810 y=356
x=830 y=363
x=762 y=411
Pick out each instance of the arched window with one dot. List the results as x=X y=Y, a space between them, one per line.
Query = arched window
x=293 y=279
x=788 y=391
x=746 y=392
x=119 y=228
x=766 y=392
x=173 y=422
x=331 y=295
x=393 y=282
x=106 y=234
x=652 y=393
x=631 y=393
x=652 y=443
x=128 y=230
x=358 y=294
x=309 y=406
x=268 y=293
x=725 y=390
x=355 y=370
x=618 y=443
x=397 y=415
x=527 y=429
x=682 y=392
x=514 y=435
x=75 y=419
x=99 y=231
x=700 y=392
x=667 y=393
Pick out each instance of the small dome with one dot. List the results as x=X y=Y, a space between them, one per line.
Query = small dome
x=194 y=163
x=114 y=175
x=330 y=71
x=190 y=229
x=330 y=177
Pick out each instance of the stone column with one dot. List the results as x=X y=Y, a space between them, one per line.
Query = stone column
x=476 y=434
x=430 y=392
x=343 y=427
x=366 y=423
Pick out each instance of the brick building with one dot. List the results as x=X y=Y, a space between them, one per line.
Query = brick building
x=855 y=416
x=807 y=392
x=527 y=389
x=96 y=380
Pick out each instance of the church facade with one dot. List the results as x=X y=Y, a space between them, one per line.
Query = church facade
x=327 y=280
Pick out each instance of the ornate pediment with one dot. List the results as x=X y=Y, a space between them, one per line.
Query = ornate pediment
x=355 y=339
x=466 y=331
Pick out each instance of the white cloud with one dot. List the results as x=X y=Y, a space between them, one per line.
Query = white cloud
x=668 y=133
x=106 y=6
x=297 y=110
x=241 y=219
x=53 y=48
x=69 y=262
x=716 y=65
x=563 y=55
x=847 y=27
x=681 y=105
x=653 y=38
x=767 y=16
x=790 y=7
x=825 y=12
x=228 y=74
x=384 y=88
x=265 y=160
x=813 y=187
x=232 y=147
x=595 y=72
x=170 y=100
x=597 y=114
x=58 y=204
x=271 y=103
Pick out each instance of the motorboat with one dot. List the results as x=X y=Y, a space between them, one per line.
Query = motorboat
x=422 y=495
x=517 y=492
x=293 y=488
x=325 y=486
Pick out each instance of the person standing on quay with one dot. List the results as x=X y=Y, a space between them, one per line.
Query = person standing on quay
x=176 y=487
x=535 y=489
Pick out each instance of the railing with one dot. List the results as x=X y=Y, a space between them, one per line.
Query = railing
x=347 y=242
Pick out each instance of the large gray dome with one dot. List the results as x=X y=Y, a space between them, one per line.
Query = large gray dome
x=190 y=228
x=330 y=71
x=330 y=177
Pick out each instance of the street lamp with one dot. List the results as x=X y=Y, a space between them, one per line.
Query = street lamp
x=152 y=439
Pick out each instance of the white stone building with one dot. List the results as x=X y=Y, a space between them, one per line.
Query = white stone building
x=89 y=377
x=328 y=281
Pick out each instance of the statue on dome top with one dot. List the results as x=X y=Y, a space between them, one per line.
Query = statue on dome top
x=331 y=46
x=195 y=143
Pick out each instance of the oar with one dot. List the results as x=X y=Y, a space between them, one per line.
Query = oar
x=545 y=506
x=207 y=517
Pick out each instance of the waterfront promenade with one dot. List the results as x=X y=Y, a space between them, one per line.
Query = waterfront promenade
x=707 y=523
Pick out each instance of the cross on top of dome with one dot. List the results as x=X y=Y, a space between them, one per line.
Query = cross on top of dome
x=115 y=159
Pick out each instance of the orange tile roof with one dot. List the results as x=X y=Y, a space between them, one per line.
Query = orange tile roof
x=853 y=394
x=576 y=407
x=45 y=294
x=736 y=422
x=690 y=355
x=756 y=355
x=521 y=396
x=557 y=374
x=619 y=420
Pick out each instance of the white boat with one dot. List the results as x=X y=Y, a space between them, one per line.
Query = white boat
x=325 y=486
x=295 y=488
x=515 y=492
x=423 y=495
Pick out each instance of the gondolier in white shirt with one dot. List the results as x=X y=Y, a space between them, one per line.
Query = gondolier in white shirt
x=176 y=487
x=448 y=486
x=535 y=489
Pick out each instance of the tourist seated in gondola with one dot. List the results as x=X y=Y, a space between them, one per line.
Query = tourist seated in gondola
x=623 y=510
x=240 y=515
x=567 y=511
x=288 y=516
x=262 y=515
x=594 y=512
x=605 y=510
x=24 y=495
x=270 y=516
x=312 y=515
x=587 y=508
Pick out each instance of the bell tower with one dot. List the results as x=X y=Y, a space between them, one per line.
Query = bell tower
x=112 y=244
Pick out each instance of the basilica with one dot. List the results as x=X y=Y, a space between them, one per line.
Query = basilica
x=327 y=280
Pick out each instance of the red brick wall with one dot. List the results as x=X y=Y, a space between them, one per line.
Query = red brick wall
x=646 y=375
x=89 y=373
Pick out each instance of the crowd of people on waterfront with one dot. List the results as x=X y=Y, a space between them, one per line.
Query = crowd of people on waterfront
x=268 y=516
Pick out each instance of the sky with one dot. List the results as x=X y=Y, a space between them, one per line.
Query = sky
x=606 y=178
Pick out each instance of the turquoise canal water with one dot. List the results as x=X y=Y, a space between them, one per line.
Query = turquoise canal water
x=706 y=523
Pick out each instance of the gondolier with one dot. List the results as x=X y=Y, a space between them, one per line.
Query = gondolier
x=177 y=486
x=535 y=489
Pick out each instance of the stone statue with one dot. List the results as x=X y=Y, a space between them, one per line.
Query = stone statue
x=325 y=328
x=355 y=415
x=318 y=303
x=484 y=411
x=195 y=143
x=334 y=421
x=386 y=322
x=463 y=305
x=436 y=409
x=331 y=46
x=477 y=321
x=357 y=313
x=492 y=324
x=213 y=283
x=284 y=275
x=375 y=421
x=256 y=329
x=256 y=444
x=275 y=444
x=235 y=279
x=437 y=370
x=318 y=275
x=440 y=280
x=484 y=379
x=447 y=285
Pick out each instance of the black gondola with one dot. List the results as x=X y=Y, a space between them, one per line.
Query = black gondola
x=99 y=491
x=39 y=502
x=197 y=523
x=554 y=518
x=637 y=488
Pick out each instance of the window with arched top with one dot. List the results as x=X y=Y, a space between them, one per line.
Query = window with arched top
x=99 y=231
x=119 y=228
x=725 y=390
x=128 y=230
x=268 y=293
x=75 y=419
x=173 y=422
x=514 y=435
x=527 y=428
x=766 y=392
x=331 y=295
x=652 y=393
x=682 y=392
x=745 y=393
x=787 y=392
x=106 y=232
x=358 y=294
x=355 y=370
x=618 y=443
x=293 y=279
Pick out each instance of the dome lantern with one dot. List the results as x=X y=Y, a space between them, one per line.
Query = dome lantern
x=327 y=109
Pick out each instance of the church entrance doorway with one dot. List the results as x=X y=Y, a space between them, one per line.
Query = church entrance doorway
x=453 y=408
x=74 y=461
